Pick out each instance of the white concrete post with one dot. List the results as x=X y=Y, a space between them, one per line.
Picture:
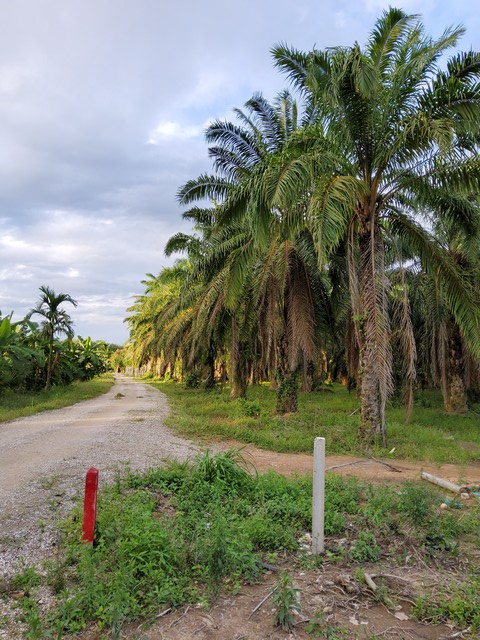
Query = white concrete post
x=318 y=516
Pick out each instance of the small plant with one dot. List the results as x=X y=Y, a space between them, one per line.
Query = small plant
x=42 y=525
x=286 y=601
x=192 y=380
x=250 y=408
x=365 y=548
x=460 y=604
x=30 y=615
x=317 y=628
x=27 y=579
x=56 y=575
x=416 y=502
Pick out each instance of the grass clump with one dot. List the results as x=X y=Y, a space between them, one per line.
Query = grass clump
x=459 y=604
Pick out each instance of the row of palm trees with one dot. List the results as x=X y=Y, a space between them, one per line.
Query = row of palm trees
x=341 y=232
x=32 y=355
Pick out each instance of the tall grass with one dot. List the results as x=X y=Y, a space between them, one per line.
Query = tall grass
x=431 y=435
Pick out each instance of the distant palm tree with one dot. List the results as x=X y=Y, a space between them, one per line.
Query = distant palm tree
x=55 y=321
x=395 y=137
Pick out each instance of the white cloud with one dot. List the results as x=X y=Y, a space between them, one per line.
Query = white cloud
x=9 y=242
x=413 y=6
x=17 y=272
x=174 y=130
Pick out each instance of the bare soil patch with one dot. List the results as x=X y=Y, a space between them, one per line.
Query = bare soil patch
x=367 y=469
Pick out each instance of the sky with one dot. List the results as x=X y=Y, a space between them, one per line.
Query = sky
x=103 y=107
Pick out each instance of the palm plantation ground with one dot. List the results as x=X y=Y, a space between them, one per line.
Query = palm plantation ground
x=335 y=250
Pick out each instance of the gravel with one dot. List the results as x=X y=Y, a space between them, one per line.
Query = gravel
x=44 y=458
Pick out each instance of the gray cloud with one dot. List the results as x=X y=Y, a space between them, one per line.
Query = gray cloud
x=102 y=107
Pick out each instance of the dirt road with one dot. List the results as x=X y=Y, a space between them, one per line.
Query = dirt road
x=44 y=458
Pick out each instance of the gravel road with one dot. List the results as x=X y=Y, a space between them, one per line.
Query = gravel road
x=44 y=458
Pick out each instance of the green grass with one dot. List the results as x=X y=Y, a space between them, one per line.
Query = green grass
x=431 y=435
x=17 y=405
x=182 y=533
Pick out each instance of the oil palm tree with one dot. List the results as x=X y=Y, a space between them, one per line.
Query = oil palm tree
x=394 y=138
x=150 y=317
x=254 y=245
x=55 y=321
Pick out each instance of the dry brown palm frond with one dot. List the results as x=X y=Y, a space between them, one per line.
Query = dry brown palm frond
x=434 y=357
x=352 y=350
x=442 y=351
x=270 y=325
x=402 y=318
x=354 y=279
x=300 y=314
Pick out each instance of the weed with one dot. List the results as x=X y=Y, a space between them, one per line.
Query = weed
x=381 y=503
x=27 y=579
x=439 y=533
x=49 y=482
x=365 y=548
x=30 y=615
x=317 y=628
x=286 y=601
x=192 y=381
x=416 y=501
x=228 y=468
x=461 y=605
x=249 y=408
x=42 y=525
x=56 y=575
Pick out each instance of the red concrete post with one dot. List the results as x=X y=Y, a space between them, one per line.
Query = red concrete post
x=90 y=505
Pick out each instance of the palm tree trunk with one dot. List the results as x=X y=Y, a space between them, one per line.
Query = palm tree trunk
x=210 y=366
x=48 y=378
x=239 y=364
x=455 y=398
x=372 y=418
x=287 y=391
x=375 y=375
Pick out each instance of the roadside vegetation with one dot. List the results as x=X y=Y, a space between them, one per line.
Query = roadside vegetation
x=431 y=435
x=36 y=365
x=181 y=534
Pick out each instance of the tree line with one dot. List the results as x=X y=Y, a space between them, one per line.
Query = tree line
x=337 y=235
x=32 y=355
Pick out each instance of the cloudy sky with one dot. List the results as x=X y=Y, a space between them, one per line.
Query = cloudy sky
x=103 y=104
